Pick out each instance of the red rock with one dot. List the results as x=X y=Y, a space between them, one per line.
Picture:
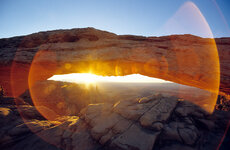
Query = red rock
x=184 y=59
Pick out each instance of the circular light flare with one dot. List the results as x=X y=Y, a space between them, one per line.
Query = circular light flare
x=36 y=70
x=188 y=19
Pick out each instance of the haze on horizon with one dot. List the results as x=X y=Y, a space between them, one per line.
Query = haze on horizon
x=146 y=17
x=88 y=78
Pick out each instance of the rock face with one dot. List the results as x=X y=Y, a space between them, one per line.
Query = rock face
x=153 y=122
x=184 y=59
x=149 y=123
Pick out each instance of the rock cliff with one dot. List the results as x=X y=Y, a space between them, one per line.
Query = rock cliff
x=156 y=121
x=184 y=59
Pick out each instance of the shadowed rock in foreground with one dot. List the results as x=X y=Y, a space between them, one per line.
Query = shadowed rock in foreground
x=154 y=122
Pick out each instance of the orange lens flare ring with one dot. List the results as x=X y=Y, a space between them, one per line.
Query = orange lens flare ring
x=43 y=67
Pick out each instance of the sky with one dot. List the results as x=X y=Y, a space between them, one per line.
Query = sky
x=137 y=17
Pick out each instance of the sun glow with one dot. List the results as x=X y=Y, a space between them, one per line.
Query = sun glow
x=88 y=78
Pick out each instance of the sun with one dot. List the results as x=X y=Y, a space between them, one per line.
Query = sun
x=87 y=78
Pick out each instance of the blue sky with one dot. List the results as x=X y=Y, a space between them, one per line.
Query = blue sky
x=137 y=17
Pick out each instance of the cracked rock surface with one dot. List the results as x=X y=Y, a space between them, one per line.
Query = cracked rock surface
x=154 y=122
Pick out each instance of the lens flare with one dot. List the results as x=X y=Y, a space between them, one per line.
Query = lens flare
x=187 y=20
x=179 y=59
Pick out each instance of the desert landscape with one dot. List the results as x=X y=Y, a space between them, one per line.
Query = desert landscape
x=189 y=111
x=114 y=75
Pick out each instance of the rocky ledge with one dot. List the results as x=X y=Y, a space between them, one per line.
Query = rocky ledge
x=155 y=122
